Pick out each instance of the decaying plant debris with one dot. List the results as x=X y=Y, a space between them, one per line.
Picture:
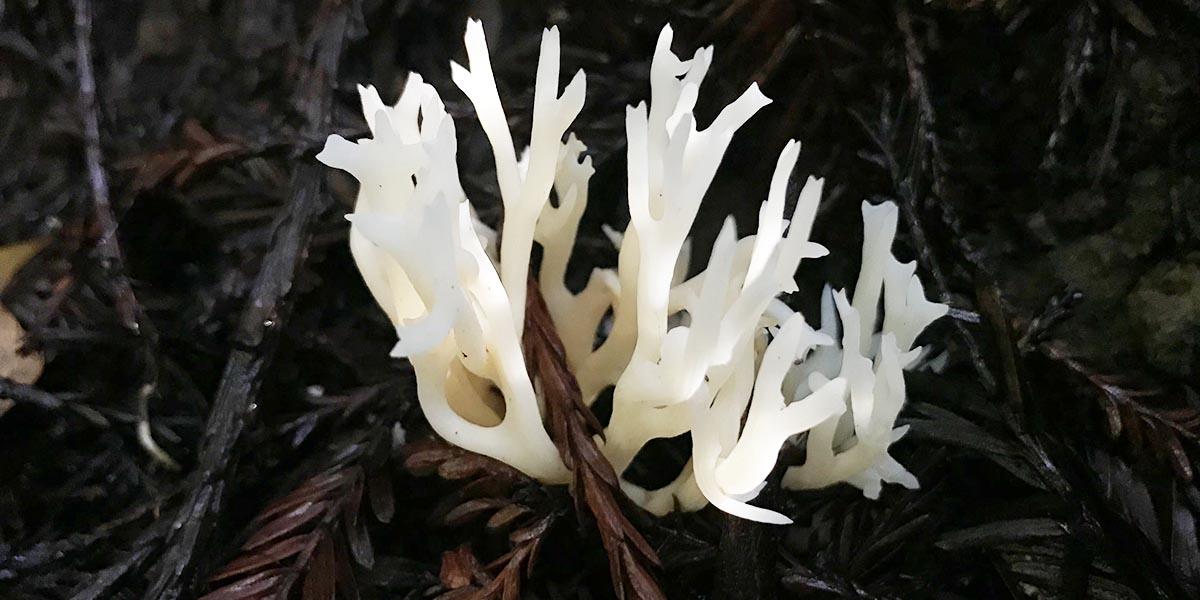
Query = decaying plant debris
x=217 y=415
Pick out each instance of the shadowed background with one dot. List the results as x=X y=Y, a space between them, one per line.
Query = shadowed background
x=205 y=378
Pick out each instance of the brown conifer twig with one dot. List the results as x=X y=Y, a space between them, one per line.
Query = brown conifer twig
x=301 y=534
x=596 y=487
x=1147 y=416
x=484 y=488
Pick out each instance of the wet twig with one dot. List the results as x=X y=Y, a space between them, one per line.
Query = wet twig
x=268 y=306
x=746 y=567
x=23 y=393
x=105 y=224
x=104 y=232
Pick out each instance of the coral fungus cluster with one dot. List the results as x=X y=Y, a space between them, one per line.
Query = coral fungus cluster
x=718 y=355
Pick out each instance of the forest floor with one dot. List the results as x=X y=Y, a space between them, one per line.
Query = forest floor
x=195 y=390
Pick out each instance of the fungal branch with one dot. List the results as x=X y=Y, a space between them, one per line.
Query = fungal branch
x=525 y=185
x=718 y=355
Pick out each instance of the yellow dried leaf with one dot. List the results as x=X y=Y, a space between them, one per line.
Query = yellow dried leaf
x=15 y=365
x=14 y=256
x=19 y=367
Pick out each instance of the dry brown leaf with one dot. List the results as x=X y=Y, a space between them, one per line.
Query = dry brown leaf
x=14 y=256
x=460 y=568
x=16 y=365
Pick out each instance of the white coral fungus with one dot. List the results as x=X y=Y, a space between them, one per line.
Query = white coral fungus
x=717 y=355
